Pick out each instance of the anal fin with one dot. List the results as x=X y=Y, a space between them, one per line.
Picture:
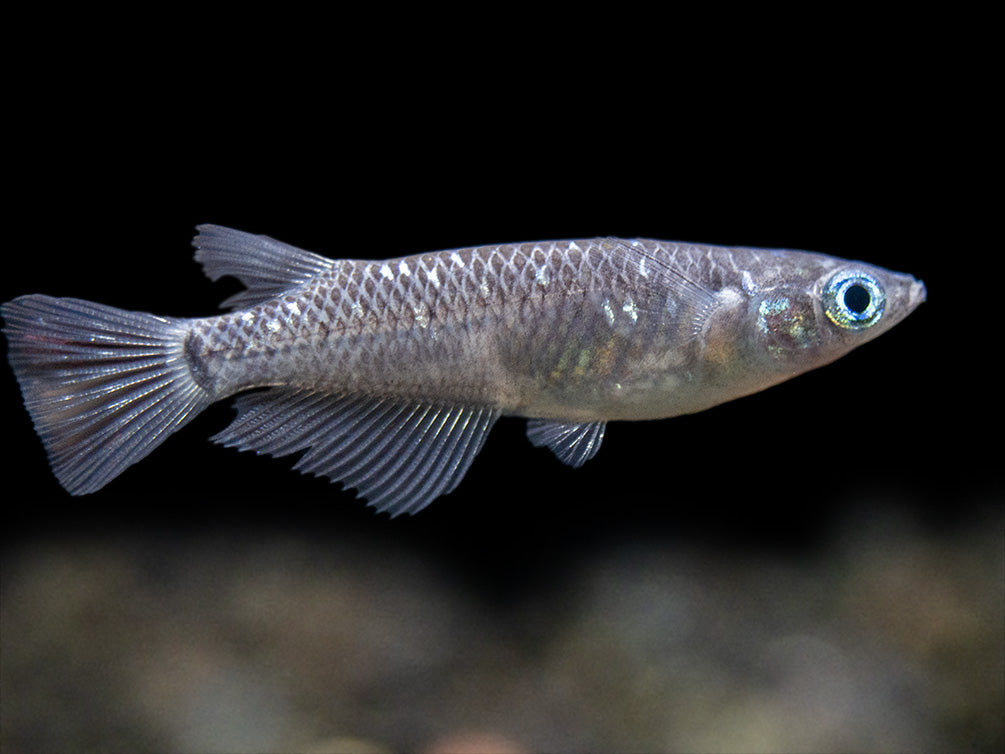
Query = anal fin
x=399 y=455
x=573 y=443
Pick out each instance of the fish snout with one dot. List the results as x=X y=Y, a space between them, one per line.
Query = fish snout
x=916 y=294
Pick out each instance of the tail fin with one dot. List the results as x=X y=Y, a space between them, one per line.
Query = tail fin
x=104 y=387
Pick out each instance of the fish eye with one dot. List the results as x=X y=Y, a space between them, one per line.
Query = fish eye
x=853 y=300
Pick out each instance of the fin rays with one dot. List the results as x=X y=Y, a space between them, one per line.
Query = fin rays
x=265 y=267
x=398 y=455
x=574 y=444
x=104 y=387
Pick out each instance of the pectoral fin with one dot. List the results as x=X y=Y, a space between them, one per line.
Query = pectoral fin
x=399 y=455
x=574 y=444
x=679 y=286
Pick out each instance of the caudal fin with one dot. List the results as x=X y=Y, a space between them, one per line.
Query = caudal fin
x=104 y=387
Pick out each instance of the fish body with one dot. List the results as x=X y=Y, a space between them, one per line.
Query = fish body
x=388 y=375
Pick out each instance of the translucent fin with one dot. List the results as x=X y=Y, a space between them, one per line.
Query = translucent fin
x=104 y=387
x=264 y=266
x=400 y=456
x=574 y=444
x=678 y=282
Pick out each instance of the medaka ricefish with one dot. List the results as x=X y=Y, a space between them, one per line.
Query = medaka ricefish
x=388 y=375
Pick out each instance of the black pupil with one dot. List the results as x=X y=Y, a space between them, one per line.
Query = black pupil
x=857 y=298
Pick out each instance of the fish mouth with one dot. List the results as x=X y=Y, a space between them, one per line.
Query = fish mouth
x=916 y=294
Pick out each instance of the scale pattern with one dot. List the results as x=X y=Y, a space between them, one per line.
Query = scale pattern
x=416 y=325
x=387 y=376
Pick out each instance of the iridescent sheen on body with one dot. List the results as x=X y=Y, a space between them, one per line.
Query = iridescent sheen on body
x=387 y=375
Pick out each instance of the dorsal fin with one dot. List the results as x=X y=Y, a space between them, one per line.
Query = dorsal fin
x=574 y=444
x=399 y=455
x=264 y=266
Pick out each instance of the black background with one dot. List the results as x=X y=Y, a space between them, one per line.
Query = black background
x=112 y=170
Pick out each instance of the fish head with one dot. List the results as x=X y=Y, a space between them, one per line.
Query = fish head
x=825 y=308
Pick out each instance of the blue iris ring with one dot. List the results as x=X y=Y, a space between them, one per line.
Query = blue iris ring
x=853 y=300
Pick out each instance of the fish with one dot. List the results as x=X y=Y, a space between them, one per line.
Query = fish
x=387 y=375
